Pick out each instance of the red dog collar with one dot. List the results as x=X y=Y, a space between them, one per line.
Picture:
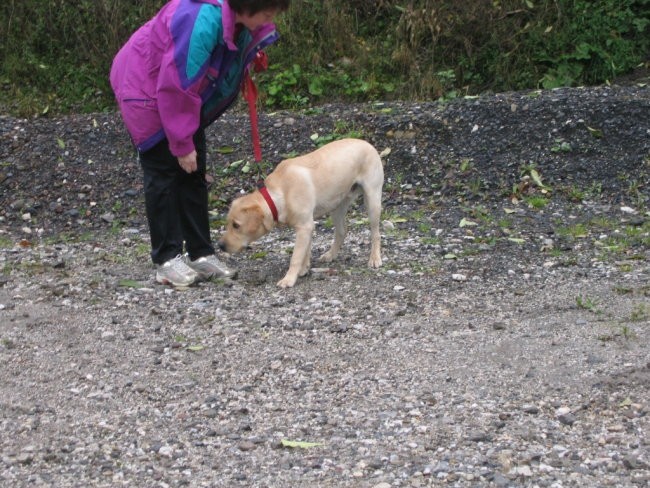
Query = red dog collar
x=269 y=201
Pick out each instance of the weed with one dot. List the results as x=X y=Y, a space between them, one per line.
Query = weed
x=640 y=313
x=588 y=303
x=575 y=194
x=627 y=332
x=623 y=290
x=595 y=190
x=602 y=222
x=142 y=250
x=536 y=202
x=6 y=242
x=561 y=146
x=475 y=186
x=431 y=241
x=419 y=268
x=577 y=230
x=116 y=227
x=465 y=165
x=625 y=267
x=505 y=223
x=342 y=130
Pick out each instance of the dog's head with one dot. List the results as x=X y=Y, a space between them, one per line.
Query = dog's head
x=244 y=224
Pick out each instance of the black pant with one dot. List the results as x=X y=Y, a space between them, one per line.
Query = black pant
x=176 y=203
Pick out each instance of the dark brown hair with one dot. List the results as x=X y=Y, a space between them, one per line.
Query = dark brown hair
x=251 y=7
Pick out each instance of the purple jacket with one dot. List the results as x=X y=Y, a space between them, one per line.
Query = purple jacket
x=181 y=70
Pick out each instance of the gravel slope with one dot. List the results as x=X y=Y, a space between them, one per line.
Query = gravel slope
x=505 y=342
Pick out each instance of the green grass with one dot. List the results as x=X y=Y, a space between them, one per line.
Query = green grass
x=588 y=303
x=537 y=202
x=6 y=242
x=640 y=313
x=578 y=230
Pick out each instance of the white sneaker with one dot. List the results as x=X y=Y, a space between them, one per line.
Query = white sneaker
x=176 y=272
x=209 y=267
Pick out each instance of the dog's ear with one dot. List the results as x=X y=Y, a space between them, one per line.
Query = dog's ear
x=252 y=216
x=255 y=218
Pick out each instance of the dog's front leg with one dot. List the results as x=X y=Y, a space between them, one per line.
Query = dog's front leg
x=300 y=259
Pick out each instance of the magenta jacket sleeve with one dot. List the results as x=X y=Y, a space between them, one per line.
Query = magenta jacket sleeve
x=179 y=108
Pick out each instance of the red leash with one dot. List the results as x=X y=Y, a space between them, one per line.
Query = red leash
x=260 y=63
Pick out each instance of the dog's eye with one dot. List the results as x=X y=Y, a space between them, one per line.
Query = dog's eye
x=235 y=225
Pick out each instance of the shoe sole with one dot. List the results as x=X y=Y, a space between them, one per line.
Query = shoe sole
x=165 y=281
x=207 y=276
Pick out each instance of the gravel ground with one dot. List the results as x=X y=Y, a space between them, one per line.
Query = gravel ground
x=504 y=342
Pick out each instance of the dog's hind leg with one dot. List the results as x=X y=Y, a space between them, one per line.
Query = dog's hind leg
x=340 y=228
x=372 y=202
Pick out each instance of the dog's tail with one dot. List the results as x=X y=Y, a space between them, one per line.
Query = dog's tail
x=383 y=155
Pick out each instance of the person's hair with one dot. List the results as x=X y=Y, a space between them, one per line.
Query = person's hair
x=251 y=7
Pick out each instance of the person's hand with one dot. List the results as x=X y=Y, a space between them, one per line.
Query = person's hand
x=188 y=162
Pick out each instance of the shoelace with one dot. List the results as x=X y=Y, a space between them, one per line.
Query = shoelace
x=178 y=264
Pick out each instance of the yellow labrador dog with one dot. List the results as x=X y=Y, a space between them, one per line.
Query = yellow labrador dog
x=325 y=181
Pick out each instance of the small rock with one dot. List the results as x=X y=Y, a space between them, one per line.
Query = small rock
x=166 y=451
x=246 y=446
x=108 y=335
x=388 y=225
x=567 y=419
x=479 y=437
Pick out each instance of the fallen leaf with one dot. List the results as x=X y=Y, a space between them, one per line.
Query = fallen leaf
x=625 y=403
x=537 y=178
x=597 y=133
x=516 y=240
x=130 y=284
x=466 y=223
x=300 y=444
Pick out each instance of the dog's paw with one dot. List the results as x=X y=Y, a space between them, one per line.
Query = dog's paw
x=374 y=262
x=326 y=257
x=286 y=282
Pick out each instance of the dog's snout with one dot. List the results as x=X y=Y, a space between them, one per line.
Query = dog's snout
x=222 y=245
